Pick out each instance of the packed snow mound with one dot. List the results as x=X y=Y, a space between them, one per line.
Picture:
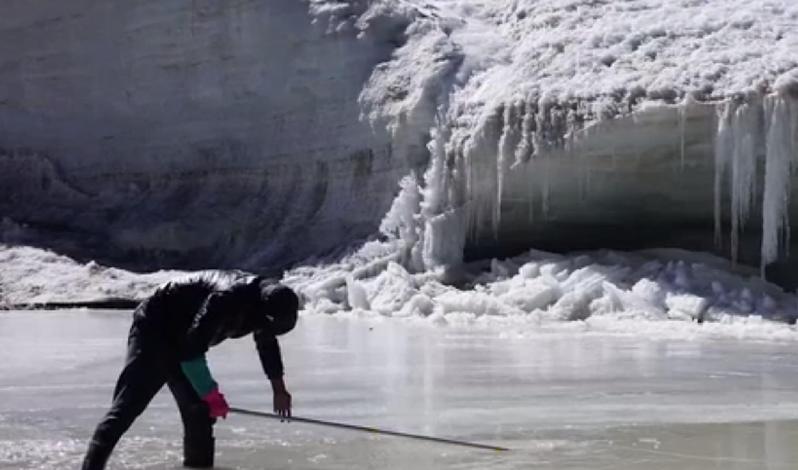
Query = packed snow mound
x=543 y=289
x=31 y=276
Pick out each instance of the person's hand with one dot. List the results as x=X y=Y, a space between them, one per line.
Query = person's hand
x=282 y=399
x=217 y=405
x=282 y=403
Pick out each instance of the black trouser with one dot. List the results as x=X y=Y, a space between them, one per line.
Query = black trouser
x=147 y=368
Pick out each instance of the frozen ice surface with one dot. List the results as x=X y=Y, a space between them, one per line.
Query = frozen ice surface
x=568 y=400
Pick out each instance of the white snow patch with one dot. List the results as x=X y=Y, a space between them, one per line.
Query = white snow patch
x=34 y=276
x=662 y=293
x=665 y=292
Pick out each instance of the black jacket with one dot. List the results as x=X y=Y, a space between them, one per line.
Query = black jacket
x=187 y=317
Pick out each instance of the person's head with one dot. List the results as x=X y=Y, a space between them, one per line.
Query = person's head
x=281 y=305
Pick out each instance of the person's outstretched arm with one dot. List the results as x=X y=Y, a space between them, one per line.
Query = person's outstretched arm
x=198 y=374
x=195 y=345
x=272 y=362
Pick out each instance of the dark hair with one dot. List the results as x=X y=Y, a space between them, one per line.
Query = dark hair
x=281 y=304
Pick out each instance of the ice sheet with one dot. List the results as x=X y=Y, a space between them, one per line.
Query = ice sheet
x=560 y=399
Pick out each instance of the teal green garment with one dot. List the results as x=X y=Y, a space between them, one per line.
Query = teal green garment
x=199 y=375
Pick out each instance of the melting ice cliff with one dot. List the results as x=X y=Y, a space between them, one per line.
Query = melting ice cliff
x=252 y=134
x=534 y=109
x=579 y=125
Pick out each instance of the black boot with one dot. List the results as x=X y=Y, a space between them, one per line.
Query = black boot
x=198 y=453
x=96 y=457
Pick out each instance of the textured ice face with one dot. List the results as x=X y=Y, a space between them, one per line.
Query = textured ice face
x=518 y=122
x=209 y=135
x=507 y=93
x=603 y=57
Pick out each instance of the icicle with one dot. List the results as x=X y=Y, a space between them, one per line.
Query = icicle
x=545 y=190
x=471 y=185
x=480 y=150
x=584 y=172
x=469 y=188
x=456 y=169
x=472 y=205
x=434 y=178
x=401 y=220
x=588 y=185
x=682 y=131
x=781 y=121
x=526 y=148
x=723 y=148
x=745 y=128
x=524 y=152
x=444 y=238
x=530 y=193
x=541 y=125
x=507 y=147
x=502 y=156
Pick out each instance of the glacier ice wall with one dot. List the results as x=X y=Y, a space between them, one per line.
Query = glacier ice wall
x=250 y=133
x=191 y=134
x=572 y=124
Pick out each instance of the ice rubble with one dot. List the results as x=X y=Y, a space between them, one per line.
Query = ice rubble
x=493 y=86
x=599 y=290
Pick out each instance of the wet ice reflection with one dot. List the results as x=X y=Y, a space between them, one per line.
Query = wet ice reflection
x=566 y=400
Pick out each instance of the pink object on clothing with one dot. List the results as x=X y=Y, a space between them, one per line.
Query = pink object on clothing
x=217 y=405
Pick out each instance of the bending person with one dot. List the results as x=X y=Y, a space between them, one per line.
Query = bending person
x=171 y=332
